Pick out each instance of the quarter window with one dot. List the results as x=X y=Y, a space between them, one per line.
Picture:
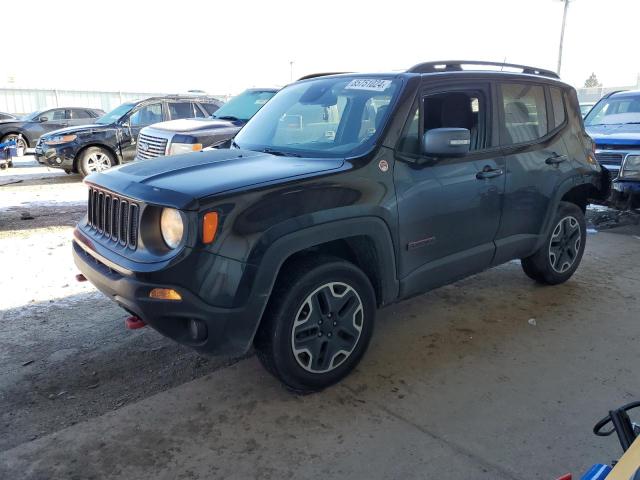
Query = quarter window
x=525 y=115
x=558 y=106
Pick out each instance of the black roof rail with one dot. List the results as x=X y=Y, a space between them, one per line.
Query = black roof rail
x=316 y=75
x=456 y=66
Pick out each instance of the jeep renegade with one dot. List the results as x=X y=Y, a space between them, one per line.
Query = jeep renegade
x=343 y=194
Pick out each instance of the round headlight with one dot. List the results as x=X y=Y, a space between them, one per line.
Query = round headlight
x=171 y=227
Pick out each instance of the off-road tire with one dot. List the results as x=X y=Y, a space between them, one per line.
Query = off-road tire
x=550 y=268
x=295 y=292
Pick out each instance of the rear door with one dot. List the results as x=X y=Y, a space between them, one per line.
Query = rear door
x=537 y=164
x=449 y=208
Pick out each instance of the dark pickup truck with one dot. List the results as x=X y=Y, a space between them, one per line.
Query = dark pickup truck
x=343 y=194
x=193 y=135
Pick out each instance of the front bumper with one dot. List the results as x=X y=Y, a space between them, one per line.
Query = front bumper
x=227 y=331
x=59 y=156
x=626 y=193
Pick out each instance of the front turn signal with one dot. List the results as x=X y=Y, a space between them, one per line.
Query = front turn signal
x=209 y=227
x=165 y=294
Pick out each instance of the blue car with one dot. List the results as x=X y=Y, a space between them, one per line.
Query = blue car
x=614 y=125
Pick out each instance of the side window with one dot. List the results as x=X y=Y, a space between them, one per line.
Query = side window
x=146 y=115
x=197 y=113
x=180 y=110
x=525 y=114
x=459 y=109
x=53 y=115
x=211 y=108
x=557 y=100
x=77 y=113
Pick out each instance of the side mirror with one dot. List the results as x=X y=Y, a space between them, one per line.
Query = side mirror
x=43 y=119
x=125 y=124
x=446 y=142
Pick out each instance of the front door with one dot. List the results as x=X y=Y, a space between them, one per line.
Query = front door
x=449 y=208
x=138 y=119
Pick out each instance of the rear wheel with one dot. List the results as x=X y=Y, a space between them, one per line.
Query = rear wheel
x=560 y=255
x=318 y=323
x=95 y=159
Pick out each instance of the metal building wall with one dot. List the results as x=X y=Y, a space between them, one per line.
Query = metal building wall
x=20 y=101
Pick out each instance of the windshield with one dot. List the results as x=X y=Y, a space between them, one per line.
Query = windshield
x=115 y=114
x=615 y=111
x=244 y=106
x=325 y=117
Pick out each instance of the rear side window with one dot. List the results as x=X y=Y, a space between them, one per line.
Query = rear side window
x=181 y=110
x=557 y=100
x=78 y=113
x=211 y=108
x=524 y=113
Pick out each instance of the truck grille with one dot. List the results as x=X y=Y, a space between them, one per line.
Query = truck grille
x=113 y=217
x=150 y=147
x=609 y=158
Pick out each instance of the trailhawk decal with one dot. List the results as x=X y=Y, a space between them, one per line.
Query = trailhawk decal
x=372 y=84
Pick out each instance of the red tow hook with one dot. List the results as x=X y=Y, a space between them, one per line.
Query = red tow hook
x=81 y=278
x=133 y=323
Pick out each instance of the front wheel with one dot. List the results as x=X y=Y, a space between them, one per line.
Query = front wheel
x=95 y=159
x=19 y=139
x=318 y=323
x=560 y=255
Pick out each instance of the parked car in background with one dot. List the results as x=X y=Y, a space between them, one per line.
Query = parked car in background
x=614 y=124
x=7 y=117
x=112 y=139
x=29 y=128
x=192 y=135
x=585 y=107
x=343 y=194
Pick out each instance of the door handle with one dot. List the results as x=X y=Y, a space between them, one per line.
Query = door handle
x=556 y=159
x=488 y=172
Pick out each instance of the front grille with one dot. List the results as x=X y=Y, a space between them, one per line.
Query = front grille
x=610 y=158
x=113 y=217
x=150 y=147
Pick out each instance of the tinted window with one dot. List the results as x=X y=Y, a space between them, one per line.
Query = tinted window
x=211 y=108
x=181 y=110
x=4 y=116
x=77 y=114
x=197 y=112
x=53 y=115
x=146 y=115
x=525 y=115
x=410 y=140
x=558 y=106
x=245 y=105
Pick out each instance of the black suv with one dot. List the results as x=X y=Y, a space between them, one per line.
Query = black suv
x=343 y=194
x=111 y=139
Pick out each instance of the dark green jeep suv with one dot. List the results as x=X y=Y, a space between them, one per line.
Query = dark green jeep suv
x=344 y=194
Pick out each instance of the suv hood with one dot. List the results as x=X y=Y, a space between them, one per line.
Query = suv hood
x=181 y=181
x=615 y=134
x=195 y=125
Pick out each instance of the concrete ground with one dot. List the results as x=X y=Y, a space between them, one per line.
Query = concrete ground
x=493 y=377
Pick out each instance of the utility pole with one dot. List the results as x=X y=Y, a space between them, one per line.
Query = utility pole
x=291 y=71
x=564 y=21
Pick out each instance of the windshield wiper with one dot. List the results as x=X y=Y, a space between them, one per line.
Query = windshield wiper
x=632 y=123
x=235 y=145
x=280 y=153
x=227 y=117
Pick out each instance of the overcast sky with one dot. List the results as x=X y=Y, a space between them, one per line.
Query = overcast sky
x=224 y=47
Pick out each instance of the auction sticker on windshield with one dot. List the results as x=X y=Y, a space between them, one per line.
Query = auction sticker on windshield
x=372 y=84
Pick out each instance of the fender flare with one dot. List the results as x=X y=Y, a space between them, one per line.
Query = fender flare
x=563 y=187
x=281 y=249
